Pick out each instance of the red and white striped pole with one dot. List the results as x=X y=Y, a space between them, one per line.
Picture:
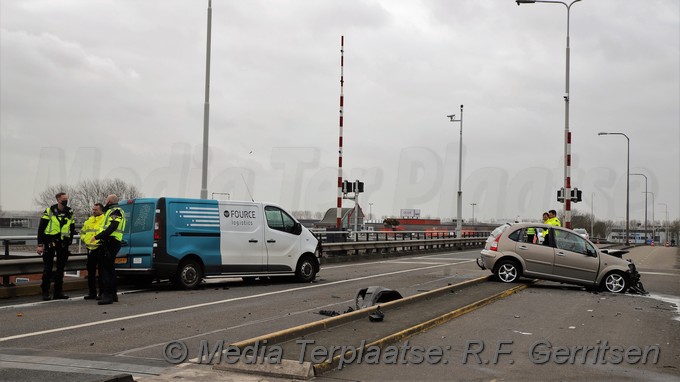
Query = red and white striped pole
x=567 y=181
x=338 y=222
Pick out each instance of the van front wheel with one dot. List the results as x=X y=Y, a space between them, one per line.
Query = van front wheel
x=189 y=274
x=306 y=269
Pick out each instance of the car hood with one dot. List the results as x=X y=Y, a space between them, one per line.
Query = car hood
x=615 y=252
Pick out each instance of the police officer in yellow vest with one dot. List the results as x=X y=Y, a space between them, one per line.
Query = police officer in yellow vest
x=91 y=227
x=554 y=220
x=111 y=237
x=55 y=234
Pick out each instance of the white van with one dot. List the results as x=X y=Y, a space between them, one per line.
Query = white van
x=187 y=240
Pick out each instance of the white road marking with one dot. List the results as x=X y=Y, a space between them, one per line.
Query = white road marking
x=659 y=274
x=37 y=303
x=673 y=300
x=125 y=352
x=179 y=309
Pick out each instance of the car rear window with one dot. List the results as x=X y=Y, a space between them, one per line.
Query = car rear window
x=499 y=230
x=515 y=235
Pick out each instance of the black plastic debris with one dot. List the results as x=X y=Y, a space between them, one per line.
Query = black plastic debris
x=374 y=295
x=377 y=316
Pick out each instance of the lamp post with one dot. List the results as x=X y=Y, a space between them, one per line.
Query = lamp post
x=653 y=221
x=592 y=214
x=627 y=186
x=666 y=205
x=645 y=204
x=567 y=133
x=459 y=220
x=370 y=211
x=206 y=110
x=473 y=212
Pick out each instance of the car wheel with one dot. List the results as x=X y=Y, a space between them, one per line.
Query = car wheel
x=306 y=269
x=615 y=282
x=189 y=274
x=507 y=271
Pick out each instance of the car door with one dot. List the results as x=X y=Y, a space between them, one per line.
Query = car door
x=281 y=240
x=575 y=259
x=538 y=259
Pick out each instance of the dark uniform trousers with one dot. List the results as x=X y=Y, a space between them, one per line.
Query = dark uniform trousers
x=52 y=248
x=107 y=266
x=93 y=257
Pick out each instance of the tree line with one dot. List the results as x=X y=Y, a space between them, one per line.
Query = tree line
x=85 y=194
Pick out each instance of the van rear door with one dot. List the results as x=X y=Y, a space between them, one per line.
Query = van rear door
x=136 y=251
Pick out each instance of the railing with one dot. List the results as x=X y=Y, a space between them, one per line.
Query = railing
x=33 y=264
x=333 y=244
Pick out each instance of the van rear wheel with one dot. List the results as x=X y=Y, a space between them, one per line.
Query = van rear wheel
x=189 y=274
x=306 y=269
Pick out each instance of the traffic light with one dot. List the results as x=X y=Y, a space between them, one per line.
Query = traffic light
x=576 y=195
x=359 y=187
x=347 y=187
x=560 y=195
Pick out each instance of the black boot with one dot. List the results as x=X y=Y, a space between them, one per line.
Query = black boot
x=60 y=296
x=46 y=296
x=106 y=300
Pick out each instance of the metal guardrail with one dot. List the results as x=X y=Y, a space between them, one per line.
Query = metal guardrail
x=333 y=243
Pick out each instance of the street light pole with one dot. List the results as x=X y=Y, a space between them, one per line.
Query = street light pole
x=666 y=205
x=653 y=221
x=567 y=133
x=592 y=214
x=645 y=204
x=206 y=110
x=459 y=220
x=370 y=211
x=627 y=186
x=473 y=212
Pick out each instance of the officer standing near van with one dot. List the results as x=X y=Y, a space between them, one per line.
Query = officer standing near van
x=90 y=229
x=55 y=234
x=111 y=237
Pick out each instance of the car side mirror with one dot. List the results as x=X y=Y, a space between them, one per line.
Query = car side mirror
x=297 y=229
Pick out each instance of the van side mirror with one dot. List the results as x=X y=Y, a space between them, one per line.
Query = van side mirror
x=297 y=229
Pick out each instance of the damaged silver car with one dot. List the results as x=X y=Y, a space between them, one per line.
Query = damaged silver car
x=557 y=254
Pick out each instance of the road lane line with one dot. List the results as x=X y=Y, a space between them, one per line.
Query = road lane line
x=249 y=323
x=179 y=309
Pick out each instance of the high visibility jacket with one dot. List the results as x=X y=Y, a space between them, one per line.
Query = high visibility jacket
x=90 y=229
x=531 y=231
x=60 y=224
x=109 y=217
x=555 y=221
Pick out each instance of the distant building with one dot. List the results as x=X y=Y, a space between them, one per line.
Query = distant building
x=348 y=217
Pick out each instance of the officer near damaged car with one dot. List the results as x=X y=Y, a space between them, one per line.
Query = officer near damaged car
x=110 y=237
x=55 y=234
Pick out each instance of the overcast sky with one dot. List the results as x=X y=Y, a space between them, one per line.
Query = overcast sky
x=115 y=88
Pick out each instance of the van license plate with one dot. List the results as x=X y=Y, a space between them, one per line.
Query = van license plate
x=121 y=260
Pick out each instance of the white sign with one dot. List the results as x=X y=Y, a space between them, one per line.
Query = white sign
x=410 y=213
